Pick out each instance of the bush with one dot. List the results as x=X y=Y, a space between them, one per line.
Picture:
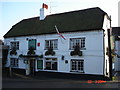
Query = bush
x=50 y=51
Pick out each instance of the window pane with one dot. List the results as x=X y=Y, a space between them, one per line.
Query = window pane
x=40 y=64
x=55 y=44
x=46 y=44
x=77 y=41
x=83 y=43
x=54 y=66
x=77 y=65
x=14 y=62
x=48 y=65
x=51 y=43
x=15 y=45
x=51 y=63
x=32 y=43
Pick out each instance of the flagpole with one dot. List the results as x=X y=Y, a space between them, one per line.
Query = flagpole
x=59 y=33
x=56 y=29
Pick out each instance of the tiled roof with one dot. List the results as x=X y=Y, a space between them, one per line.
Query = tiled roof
x=81 y=20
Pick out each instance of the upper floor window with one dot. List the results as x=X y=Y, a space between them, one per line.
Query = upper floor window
x=77 y=41
x=14 y=45
x=51 y=44
x=32 y=44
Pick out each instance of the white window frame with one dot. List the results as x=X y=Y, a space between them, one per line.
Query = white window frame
x=14 y=44
x=14 y=62
x=51 y=61
x=78 y=67
x=52 y=43
x=80 y=41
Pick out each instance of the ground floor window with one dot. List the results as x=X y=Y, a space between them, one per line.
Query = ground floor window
x=39 y=64
x=14 y=62
x=77 y=65
x=51 y=63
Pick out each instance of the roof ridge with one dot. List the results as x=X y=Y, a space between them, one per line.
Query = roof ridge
x=77 y=11
x=64 y=13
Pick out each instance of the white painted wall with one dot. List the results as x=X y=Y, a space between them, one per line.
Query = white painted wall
x=106 y=26
x=93 y=54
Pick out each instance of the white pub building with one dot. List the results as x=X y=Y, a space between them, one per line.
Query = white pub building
x=75 y=42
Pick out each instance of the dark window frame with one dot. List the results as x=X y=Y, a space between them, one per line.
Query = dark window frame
x=34 y=45
x=78 y=65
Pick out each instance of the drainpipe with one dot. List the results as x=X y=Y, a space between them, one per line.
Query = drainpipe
x=109 y=45
x=110 y=58
x=10 y=71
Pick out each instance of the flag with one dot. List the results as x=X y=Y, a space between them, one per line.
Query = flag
x=59 y=33
x=45 y=6
x=61 y=36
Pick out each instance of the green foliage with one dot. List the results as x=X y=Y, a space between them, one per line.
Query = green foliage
x=50 y=51
x=31 y=51
x=76 y=51
x=79 y=53
x=41 y=56
x=13 y=51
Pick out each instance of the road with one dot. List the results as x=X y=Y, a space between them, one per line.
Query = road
x=41 y=81
x=54 y=83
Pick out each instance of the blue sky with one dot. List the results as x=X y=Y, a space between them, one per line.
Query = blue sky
x=13 y=11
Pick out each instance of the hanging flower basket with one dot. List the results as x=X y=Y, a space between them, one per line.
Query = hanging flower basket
x=73 y=53
x=13 y=51
x=41 y=56
x=21 y=55
x=76 y=51
x=50 y=51
x=31 y=51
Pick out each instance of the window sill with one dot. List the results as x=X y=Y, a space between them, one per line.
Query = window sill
x=50 y=70
x=80 y=49
x=53 y=49
x=14 y=67
x=78 y=71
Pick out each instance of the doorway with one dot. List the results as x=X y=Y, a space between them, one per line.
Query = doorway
x=32 y=66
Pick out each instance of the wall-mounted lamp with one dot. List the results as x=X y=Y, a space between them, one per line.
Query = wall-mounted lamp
x=27 y=39
x=66 y=61
x=63 y=57
x=25 y=61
